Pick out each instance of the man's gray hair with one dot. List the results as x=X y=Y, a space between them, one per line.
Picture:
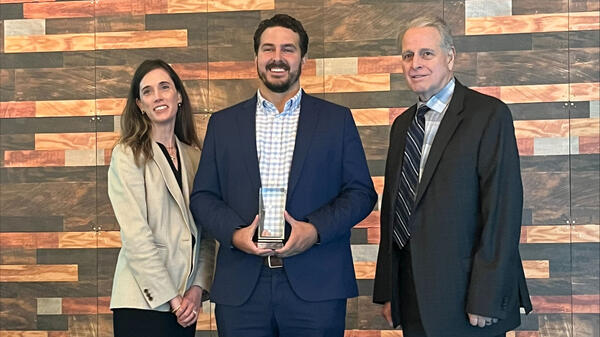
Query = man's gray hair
x=438 y=23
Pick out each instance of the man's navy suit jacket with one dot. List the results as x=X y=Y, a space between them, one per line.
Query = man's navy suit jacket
x=329 y=186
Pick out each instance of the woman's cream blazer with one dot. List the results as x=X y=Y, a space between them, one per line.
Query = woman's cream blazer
x=156 y=261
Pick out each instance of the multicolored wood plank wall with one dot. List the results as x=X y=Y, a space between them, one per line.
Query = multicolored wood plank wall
x=65 y=67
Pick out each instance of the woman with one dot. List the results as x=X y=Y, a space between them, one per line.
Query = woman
x=164 y=263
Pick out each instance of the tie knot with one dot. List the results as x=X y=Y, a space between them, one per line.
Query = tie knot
x=422 y=110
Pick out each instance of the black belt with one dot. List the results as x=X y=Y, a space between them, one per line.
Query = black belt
x=273 y=262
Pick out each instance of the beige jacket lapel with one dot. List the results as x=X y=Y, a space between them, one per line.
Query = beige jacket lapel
x=171 y=181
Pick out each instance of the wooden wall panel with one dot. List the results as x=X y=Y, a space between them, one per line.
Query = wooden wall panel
x=65 y=68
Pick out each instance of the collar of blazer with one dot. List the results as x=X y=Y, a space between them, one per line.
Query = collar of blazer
x=185 y=165
x=450 y=122
x=246 y=128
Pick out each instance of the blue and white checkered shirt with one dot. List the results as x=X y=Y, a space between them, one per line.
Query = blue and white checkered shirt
x=438 y=104
x=275 y=141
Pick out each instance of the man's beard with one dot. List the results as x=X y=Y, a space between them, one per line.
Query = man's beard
x=283 y=86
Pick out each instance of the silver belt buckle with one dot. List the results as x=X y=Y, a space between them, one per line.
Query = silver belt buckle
x=279 y=265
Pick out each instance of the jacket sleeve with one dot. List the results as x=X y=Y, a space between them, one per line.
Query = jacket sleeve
x=206 y=202
x=127 y=193
x=206 y=262
x=357 y=196
x=495 y=262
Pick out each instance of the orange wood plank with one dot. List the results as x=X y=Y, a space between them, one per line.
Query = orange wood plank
x=373 y=235
x=153 y=7
x=562 y=233
x=206 y=321
x=107 y=156
x=39 y=273
x=29 y=240
x=584 y=91
x=195 y=6
x=346 y=83
x=107 y=140
x=62 y=9
x=23 y=333
x=378 y=182
x=108 y=239
x=525 y=146
x=526 y=334
x=551 y=304
x=110 y=106
x=534 y=93
x=490 y=91
x=22 y=1
x=310 y=68
x=548 y=234
x=542 y=128
x=380 y=64
x=80 y=305
x=104 y=305
x=191 y=71
x=585 y=233
x=589 y=145
x=586 y=304
x=143 y=39
x=17 y=109
x=364 y=117
x=532 y=23
x=536 y=268
x=395 y=112
x=584 y=20
x=28 y=158
x=362 y=333
x=58 y=334
x=47 y=43
x=64 y=108
x=372 y=220
x=85 y=305
x=232 y=70
x=116 y=7
x=391 y=333
x=364 y=270
x=75 y=141
x=586 y=127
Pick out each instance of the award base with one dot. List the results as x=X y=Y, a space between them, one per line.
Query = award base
x=270 y=244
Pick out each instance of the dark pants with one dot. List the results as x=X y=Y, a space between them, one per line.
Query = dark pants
x=148 y=323
x=274 y=310
x=410 y=318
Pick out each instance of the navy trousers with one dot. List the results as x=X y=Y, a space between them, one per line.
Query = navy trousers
x=274 y=310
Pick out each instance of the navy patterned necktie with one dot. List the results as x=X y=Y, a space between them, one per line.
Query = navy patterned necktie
x=409 y=178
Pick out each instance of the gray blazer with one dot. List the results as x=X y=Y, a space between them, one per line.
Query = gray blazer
x=156 y=261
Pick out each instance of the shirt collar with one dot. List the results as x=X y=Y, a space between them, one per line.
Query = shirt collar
x=439 y=101
x=269 y=108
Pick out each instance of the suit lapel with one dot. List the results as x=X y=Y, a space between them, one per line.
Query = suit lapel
x=307 y=122
x=169 y=177
x=450 y=122
x=246 y=128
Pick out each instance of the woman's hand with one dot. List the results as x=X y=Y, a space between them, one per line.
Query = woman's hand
x=190 y=305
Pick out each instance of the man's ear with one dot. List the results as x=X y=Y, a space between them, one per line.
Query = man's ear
x=451 y=57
